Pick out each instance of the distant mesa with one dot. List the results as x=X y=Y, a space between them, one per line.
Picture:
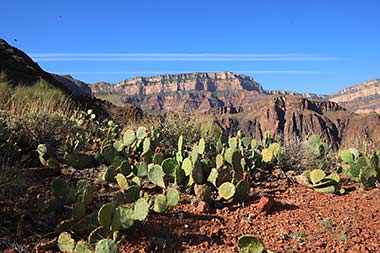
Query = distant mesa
x=361 y=98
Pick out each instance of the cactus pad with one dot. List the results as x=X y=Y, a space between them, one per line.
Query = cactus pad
x=160 y=203
x=65 y=242
x=132 y=194
x=155 y=175
x=121 y=181
x=201 y=146
x=347 y=156
x=129 y=137
x=187 y=166
x=317 y=175
x=141 y=133
x=172 y=197
x=105 y=214
x=227 y=190
x=250 y=244
x=82 y=247
x=141 y=209
x=106 y=246
x=267 y=155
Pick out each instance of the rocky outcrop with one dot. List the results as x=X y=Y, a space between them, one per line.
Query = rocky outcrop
x=361 y=98
x=295 y=117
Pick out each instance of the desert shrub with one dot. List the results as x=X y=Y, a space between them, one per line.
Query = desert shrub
x=171 y=126
x=300 y=156
x=20 y=135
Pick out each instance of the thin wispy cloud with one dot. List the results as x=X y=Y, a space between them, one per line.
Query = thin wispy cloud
x=190 y=71
x=150 y=57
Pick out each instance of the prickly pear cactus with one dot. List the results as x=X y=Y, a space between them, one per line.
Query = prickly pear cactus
x=156 y=175
x=105 y=214
x=125 y=214
x=65 y=242
x=250 y=244
x=121 y=181
x=106 y=246
x=160 y=203
x=275 y=148
x=187 y=166
x=82 y=247
x=219 y=161
x=109 y=153
x=141 y=210
x=317 y=175
x=267 y=155
x=141 y=133
x=201 y=146
x=129 y=137
x=172 y=197
x=79 y=211
x=347 y=156
x=169 y=166
x=227 y=190
x=110 y=173
x=59 y=186
x=132 y=194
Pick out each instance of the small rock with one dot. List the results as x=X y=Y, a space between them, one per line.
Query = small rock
x=265 y=204
x=203 y=207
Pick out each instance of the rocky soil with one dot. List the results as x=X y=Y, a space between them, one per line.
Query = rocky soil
x=287 y=217
x=299 y=220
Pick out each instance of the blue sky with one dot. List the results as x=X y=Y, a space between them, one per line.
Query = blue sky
x=307 y=46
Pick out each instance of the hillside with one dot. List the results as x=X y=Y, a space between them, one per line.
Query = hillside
x=19 y=69
x=361 y=98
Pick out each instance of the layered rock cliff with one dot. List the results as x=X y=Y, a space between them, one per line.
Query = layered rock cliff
x=183 y=92
x=361 y=98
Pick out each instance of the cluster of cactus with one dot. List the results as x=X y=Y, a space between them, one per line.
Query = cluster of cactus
x=129 y=166
x=321 y=182
x=228 y=171
x=46 y=155
x=363 y=169
x=68 y=245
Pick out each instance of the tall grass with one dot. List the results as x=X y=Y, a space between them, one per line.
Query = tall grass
x=29 y=115
x=40 y=98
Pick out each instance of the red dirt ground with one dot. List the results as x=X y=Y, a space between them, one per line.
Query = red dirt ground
x=301 y=220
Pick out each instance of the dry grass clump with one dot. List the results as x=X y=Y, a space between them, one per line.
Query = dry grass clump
x=40 y=98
